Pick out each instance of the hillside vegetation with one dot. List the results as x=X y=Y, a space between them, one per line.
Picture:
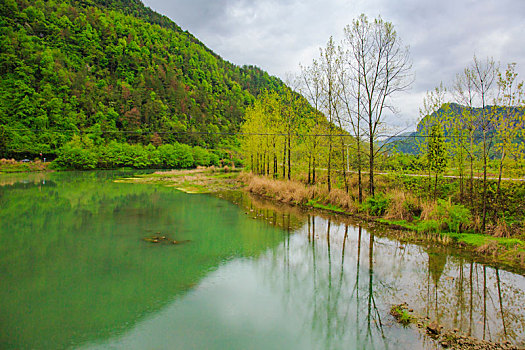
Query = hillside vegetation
x=113 y=70
x=409 y=142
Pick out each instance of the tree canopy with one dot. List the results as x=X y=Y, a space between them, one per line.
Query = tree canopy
x=113 y=70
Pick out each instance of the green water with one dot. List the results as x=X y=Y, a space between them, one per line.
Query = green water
x=75 y=272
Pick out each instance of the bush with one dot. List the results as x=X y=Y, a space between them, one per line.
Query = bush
x=183 y=155
x=376 y=205
x=79 y=154
x=453 y=215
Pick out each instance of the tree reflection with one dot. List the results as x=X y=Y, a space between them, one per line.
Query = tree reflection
x=324 y=263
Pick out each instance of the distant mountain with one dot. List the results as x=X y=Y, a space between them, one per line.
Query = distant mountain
x=113 y=70
x=408 y=142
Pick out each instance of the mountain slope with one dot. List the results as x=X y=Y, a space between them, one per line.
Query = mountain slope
x=113 y=70
x=454 y=113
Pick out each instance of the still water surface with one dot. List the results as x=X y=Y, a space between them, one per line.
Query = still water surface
x=76 y=273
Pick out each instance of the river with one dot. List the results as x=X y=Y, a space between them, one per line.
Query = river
x=77 y=273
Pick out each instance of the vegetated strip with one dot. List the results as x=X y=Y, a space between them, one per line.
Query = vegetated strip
x=200 y=180
x=430 y=227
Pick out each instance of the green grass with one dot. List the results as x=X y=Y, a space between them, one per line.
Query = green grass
x=473 y=239
x=402 y=315
x=23 y=167
x=314 y=204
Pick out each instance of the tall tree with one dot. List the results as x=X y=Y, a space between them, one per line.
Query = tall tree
x=436 y=156
x=384 y=70
x=329 y=76
x=509 y=121
x=351 y=92
x=483 y=79
x=464 y=93
x=433 y=115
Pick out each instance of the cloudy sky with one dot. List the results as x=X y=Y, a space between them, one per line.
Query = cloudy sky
x=279 y=35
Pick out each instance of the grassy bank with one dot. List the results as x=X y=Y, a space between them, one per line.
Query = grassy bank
x=14 y=166
x=199 y=180
x=416 y=219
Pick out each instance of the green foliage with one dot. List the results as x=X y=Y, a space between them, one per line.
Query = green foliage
x=82 y=153
x=116 y=71
x=79 y=153
x=453 y=215
x=376 y=205
x=315 y=204
x=437 y=155
x=401 y=314
x=429 y=226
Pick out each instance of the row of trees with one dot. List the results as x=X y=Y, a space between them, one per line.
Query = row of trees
x=477 y=121
x=82 y=153
x=473 y=129
x=349 y=86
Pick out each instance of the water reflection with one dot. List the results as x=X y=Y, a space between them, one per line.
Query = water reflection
x=351 y=270
x=348 y=277
x=257 y=275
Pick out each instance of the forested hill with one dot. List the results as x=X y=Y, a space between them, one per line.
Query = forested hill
x=452 y=116
x=113 y=70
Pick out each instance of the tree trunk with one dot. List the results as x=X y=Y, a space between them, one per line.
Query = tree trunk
x=498 y=191
x=309 y=167
x=274 y=160
x=484 y=221
x=284 y=160
x=343 y=163
x=313 y=170
x=435 y=186
x=372 y=189
x=471 y=175
x=329 y=163
x=359 y=176
x=289 y=157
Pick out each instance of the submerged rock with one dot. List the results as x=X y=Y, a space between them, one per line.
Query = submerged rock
x=454 y=338
x=162 y=240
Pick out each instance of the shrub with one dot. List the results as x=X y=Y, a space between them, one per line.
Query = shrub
x=201 y=156
x=453 y=215
x=79 y=153
x=402 y=206
x=183 y=155
x=376 y=205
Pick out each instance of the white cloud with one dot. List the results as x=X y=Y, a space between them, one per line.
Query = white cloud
x=278 y=35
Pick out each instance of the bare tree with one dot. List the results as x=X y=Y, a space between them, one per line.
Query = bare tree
x=464 y=94
x=507 y=121
x=311 y=88
x=351 y=91
x=482 y=79
x=328 y=68
x=383 y=69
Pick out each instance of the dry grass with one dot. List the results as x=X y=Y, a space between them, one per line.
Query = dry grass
x=502 y=229
x=427 y=208
x=475 y=224
x=284 y=191
x=398 y=208
x=297 y=192
x=343 y=200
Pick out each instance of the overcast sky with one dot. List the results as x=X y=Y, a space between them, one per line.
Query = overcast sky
x=277 y=36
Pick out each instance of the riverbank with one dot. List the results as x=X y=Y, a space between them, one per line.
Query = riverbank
x=413 y=220
x=199 y=180
x=440 y=222
x=14 y=166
